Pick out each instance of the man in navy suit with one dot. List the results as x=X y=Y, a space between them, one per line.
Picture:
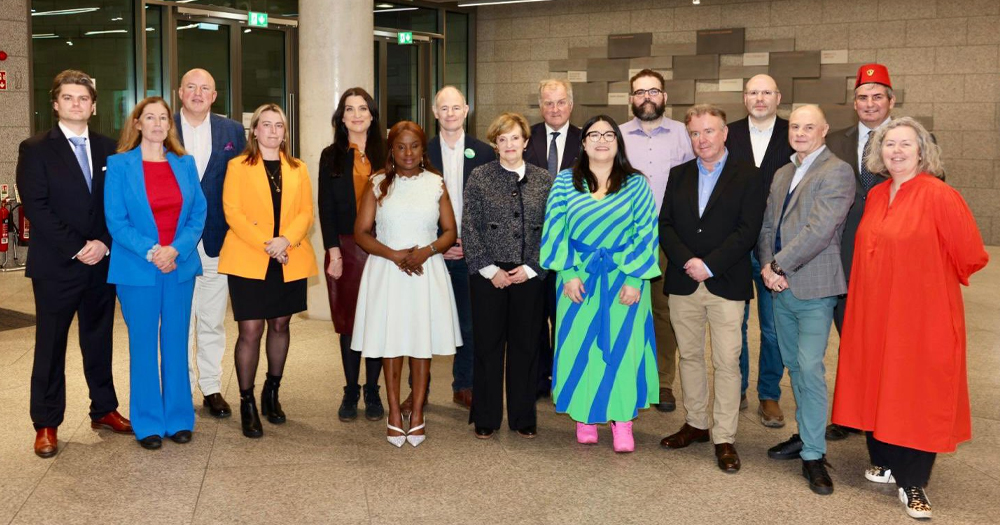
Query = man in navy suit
x=761 y=139
x=60 y=173
x=213 y=141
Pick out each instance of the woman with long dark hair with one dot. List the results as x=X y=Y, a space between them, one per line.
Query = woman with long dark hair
x=358 y=151
x=406 y=305
x=600 y=236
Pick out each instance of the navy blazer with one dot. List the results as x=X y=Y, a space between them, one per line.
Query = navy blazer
x=538 y=147
x=483 y=153
x=778 y=153
x=228 y=141
x=133 y=228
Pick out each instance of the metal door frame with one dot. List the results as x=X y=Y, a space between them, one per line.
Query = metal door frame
x=426 y=65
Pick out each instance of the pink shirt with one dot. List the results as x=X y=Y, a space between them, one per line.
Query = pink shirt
x=654 y=154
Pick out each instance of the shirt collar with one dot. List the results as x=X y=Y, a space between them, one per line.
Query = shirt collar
x=864 y=130
x=718 y=165
x=520 y=170
x=185 y=123
x=69 y=134
x=634 y=126
x=808 y=160
x=562 y=130
x=766 y=129
x=459 y=144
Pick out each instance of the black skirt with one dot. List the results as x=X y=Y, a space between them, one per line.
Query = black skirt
x=268 y=298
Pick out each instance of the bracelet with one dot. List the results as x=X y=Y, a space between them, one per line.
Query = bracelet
x=336 y=258
x=433 y=249
x=777 y=269
x=149 y=254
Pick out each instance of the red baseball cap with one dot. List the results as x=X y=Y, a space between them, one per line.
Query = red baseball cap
x=870 y=73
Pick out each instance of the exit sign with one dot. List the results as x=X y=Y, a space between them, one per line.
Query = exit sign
x=257 y=19
x=404 y=37
x=3 y=80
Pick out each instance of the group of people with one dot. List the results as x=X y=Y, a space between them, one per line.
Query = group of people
x=581 y=263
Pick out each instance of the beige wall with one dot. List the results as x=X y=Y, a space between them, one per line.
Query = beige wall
x=943 y=54
x=15 y=119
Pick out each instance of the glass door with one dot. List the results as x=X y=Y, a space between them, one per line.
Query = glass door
x=403 y=80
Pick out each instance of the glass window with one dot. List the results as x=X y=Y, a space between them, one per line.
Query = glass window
x=206 y=45
x=406 y=16
x=263 y=69
x=282 y=8
x=456 y=49
x=155 y=74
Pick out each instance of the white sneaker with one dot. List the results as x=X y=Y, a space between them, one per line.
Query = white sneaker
x=879 y=474
x=917 y=504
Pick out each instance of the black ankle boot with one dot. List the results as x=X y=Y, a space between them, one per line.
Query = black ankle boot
x=248 y=415
x=269 y=405
x=349 y=406
x=373 y=404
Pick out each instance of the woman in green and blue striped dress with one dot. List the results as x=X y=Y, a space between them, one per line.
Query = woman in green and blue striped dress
x=600 y=236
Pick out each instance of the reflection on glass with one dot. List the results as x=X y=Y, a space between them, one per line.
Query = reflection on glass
x=154 y=51
x=206 y=46
x=406 y=16
x=401 y=84
x=456 y=45
x=263 y=69
x=283 y=8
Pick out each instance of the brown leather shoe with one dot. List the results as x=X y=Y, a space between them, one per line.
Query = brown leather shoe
x=46 y=443
x=667 y=401
x=684 y=437
x=114 y=422
x=729 y=460
x=463 y=397
x=770 y=414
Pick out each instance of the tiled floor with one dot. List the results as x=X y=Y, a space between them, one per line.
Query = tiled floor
x=315 y=469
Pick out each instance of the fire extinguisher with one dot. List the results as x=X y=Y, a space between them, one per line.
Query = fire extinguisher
x=5 y=229
x=23 y=225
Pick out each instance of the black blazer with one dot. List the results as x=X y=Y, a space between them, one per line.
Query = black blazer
x=722 y=237
x=778 y=153
x=538 y=147
x=64 y=215
x=484 y=154
x=338 y=207
x=844 y=144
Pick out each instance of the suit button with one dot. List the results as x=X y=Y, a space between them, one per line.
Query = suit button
x=699 y=230
x=255 y=223
x=517 y=214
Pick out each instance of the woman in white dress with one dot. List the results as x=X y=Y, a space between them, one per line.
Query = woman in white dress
x=406 y=306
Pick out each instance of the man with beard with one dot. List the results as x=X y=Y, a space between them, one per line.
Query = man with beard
x=655 y=144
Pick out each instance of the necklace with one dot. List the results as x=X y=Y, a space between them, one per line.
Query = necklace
x=275 y=178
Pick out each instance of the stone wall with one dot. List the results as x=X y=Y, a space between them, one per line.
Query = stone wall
x=15 y=116
x=943 y=55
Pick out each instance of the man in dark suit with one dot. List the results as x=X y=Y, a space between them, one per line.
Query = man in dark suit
x=456 y=154
x=213 y=141
x=709 y=221
x=60 y=174
x=761 y=139
x=554 y=145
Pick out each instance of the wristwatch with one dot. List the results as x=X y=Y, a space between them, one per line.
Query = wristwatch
x=777 y=269
x=433 y=249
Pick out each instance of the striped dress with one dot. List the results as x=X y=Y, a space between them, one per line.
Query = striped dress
x=605 y=352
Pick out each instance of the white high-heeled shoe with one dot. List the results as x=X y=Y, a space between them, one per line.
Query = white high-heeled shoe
x=396 y=441
x=416 y=439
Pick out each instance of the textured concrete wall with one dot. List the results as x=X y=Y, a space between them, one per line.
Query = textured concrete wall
x=943 y=54
x=14 y=108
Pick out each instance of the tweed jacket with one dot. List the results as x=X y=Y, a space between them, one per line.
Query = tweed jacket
x=502 y=217
x=811 y=226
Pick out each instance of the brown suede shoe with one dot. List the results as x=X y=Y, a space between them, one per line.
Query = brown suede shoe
x=46 y=444
x=463 y=397
x=684 y=437
x=729 y=460
x=770 y=414
x=114 y=422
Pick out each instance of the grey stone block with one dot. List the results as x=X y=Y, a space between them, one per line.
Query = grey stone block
x=569 y=64
x=820 y=91
x=606 y=69
x=696 y=67
x=721 y=41
x=679 y=91
x=770 y=45
x=630 y=45
x=795 y=64
x=673 y=49
x=588 y=52
x=660 y=62
x=590 y=93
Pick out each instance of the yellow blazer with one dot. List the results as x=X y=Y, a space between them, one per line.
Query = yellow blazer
x=246 y=201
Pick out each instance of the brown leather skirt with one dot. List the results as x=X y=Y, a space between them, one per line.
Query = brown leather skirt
x=344 y=291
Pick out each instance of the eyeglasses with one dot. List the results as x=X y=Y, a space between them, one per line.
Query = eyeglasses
x=597 y=136
x=639 y=93
x=766 y=93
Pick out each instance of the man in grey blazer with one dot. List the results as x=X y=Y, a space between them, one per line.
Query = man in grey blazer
x=799 y=248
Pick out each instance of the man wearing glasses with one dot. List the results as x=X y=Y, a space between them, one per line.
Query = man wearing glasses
x=654 y=144
x=761 y=139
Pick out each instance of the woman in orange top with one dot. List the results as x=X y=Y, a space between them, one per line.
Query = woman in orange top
x=358 y=150
x=901 y=375
x=267 y=199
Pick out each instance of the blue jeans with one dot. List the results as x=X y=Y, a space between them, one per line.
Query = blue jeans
x=461 y=370
x=803 y=329
x=769 y=366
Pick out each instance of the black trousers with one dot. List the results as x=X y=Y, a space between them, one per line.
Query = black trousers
x=56 y=303
x=910 y=467
x=508 y=320
x=547 y=334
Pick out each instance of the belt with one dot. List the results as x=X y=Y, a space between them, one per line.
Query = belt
x=600 y=264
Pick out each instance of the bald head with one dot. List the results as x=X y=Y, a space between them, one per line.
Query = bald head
x=807 y=129
x=761 y=98
x=449 y=92
x=450 y=110
x=197 y=93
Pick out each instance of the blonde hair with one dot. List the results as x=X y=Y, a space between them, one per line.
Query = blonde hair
x=929 y=151
x=504 y=124
x=252 y=151
x=552 y=83
x=131 y=137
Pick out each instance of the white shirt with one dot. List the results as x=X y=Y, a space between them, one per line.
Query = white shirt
x=759 y=139
x=863 y=132
x=560 y=142
x=86 y=136
x=491 y=270
x=198 y=142
x=453 y=164
x=802 y=167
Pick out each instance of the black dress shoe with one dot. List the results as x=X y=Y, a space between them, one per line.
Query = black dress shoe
x=786 y=449
x=837 y=432
x=819 y=478
x=528 y=432
x=183 y=436
x=484 y=433
x=151 y=442
x=217 y=406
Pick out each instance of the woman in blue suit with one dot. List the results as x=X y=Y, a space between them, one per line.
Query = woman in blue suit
x=155 y=210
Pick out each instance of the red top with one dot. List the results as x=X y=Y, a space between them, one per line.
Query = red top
x=902 y=369
x=164 y=198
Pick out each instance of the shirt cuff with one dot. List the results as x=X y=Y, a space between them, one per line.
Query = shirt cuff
x=489 y=271
x=707 y=269
x=531 y=273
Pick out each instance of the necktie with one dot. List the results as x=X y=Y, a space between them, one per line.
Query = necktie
x=867 y=177
x=553 y=154
x=80 y=150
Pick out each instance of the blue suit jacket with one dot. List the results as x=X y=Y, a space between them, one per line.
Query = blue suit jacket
x=131 y=224
x=228 y=142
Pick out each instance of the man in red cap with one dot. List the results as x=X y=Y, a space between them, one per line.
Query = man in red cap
x=873 y=100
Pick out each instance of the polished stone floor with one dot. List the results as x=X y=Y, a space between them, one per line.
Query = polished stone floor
x=315 y=469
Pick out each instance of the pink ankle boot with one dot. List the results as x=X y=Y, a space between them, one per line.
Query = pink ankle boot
x=586 y=434
x=622 y=433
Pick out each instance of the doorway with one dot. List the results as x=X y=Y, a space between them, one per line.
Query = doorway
x=404 y=79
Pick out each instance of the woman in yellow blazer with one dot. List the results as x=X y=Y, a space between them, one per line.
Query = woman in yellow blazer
x=267 y=199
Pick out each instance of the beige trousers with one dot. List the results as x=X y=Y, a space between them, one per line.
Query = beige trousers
x=666 y=343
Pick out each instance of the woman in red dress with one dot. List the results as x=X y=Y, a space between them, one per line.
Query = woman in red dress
x=902 y=370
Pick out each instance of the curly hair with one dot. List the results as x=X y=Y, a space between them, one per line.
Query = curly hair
x=929 y=151
x=390 y=163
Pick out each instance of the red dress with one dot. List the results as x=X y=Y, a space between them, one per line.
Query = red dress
x=902 y=369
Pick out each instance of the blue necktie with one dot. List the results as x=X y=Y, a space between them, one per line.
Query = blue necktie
x=554 y=154
x=80 y=150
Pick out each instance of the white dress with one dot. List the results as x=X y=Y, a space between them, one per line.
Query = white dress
x=399 y=314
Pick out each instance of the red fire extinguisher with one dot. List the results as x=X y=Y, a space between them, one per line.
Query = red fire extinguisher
x=5 y=229
x=23 y=226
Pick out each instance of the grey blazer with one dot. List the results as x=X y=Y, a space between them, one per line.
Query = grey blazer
x=811 y=228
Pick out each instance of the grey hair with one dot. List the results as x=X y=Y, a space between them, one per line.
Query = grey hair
x=551 y=83
x=929 y=151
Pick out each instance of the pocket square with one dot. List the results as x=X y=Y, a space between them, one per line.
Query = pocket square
x=229 y=146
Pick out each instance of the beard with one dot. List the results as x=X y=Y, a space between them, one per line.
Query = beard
x=648 y=110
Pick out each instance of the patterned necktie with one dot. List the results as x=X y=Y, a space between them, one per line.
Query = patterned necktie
x=80 y=150
x=867 y=177
x=553 y=154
